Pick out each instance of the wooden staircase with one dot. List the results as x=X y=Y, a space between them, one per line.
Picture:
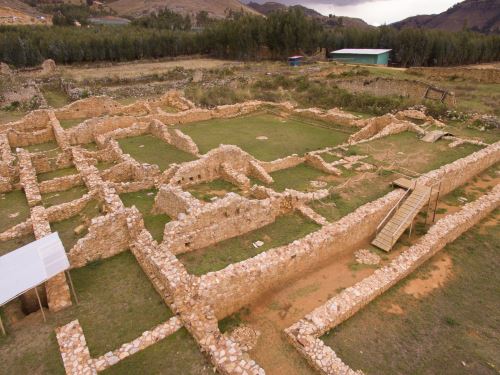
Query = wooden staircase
x=406 y=210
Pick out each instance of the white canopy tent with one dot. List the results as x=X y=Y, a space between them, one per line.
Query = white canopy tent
x=29 y=266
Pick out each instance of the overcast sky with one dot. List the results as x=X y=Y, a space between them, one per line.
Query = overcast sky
x=375 y=12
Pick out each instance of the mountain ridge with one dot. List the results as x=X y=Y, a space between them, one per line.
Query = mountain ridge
x=477 y=15
x=332 y=21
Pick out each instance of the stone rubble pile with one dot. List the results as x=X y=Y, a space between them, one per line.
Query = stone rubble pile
x=365 y=256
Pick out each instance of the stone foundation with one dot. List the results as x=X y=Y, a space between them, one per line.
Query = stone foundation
x=304 y=335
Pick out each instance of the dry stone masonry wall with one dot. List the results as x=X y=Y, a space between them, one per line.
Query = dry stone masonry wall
x=304 y=335
x=198 y=302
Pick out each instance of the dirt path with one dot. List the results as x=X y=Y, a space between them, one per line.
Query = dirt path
x=281 y=308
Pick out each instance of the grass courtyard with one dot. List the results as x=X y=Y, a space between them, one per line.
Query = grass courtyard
x=60 y=197
x=207 y=191
x=57 y=173
x=297 y=178
x=143 y=200
x=405 y=150
x=117 y=304
x=55 y=97
x=151 y=150
x=67 y=124
x=66 y=228
x=451 y=327
x=50 y=148
x=284 y=230
x=284 y=136
x=14 y=208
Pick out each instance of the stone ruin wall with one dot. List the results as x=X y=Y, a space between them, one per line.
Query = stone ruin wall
x=107 y=236
x=174 y=201
x=35 y=120
x=45 y=162
x=333 y=115
x=174 y=137
x=228 y=217
x=68 y=210
x=386 y=86
x=94 y=106
x=23 y=139
x=19 y=230
x=230 y=289
x=462 y=170
x=60 y=184
x=375 y=125
x=305 y=334
x=283 y=163
x=208 y=167
x=56 y=288
x=233 y=287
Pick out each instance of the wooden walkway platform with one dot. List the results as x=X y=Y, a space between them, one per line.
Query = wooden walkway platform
x=402 y=219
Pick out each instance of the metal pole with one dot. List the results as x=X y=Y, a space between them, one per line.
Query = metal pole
x=72 y=287
x=40 y=303
x=2 y=327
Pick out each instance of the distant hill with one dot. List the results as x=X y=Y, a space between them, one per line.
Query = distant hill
x=477 y=15
x=215 y=8
x=14 y=12
x=272 y=6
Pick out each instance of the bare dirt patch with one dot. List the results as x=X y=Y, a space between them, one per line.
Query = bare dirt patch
x=395 y=309
x=278 y=309
x=419 y=288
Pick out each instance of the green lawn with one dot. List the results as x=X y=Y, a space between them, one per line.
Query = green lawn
x=177 y=354
x=51 y=148
x=57 y=173
x=409 y=152
x=9 y=116
x=143 y=200
x=329 y=158
x=66 y=124
x=56 y=98
x=337 y=205
x=151 y=150
x=208 y=190
x=67 y=227
x=117 y=304
x=297 y=178
x=53 y=199
x=285 y=136
x=14 y=209
x=284 y=230
x=452 y=330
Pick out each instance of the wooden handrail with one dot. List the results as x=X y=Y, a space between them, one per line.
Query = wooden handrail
x=398 y=204
x=404 y=221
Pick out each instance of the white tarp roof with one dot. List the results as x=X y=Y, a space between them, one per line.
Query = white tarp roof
x=361 y=51
x=31 y=265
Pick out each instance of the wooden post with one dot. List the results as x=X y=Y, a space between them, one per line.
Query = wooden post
x=40 y=303
x=72 y=287
x=428 y=205
x=436 y=205
x=2 y=327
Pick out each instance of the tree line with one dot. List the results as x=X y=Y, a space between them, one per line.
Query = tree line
x=241 y=36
